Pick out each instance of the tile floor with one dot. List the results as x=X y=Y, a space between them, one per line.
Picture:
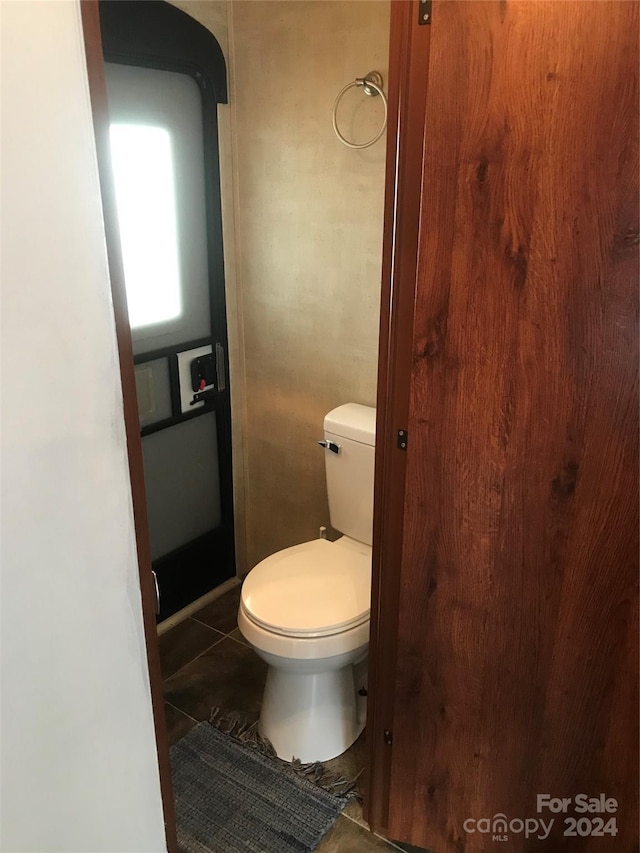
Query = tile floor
x=206 y=663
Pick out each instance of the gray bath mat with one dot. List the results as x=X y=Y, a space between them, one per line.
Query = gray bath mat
x=241 y=728
x=231 y=798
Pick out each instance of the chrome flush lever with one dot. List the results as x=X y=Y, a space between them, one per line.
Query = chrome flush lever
x=330 y=445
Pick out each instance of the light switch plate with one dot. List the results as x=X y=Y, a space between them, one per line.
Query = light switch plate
x=184 y=373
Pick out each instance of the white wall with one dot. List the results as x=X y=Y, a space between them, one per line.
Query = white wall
x=79 y=769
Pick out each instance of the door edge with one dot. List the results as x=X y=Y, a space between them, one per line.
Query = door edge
x=98 y=95
x=408 y=66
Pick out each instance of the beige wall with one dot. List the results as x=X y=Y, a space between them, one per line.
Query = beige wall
x=309 y=224
x=303 y=244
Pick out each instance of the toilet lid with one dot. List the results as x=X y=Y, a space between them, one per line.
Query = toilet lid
x=311 y=590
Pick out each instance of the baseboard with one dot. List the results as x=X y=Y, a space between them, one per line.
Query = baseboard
x=190 y=609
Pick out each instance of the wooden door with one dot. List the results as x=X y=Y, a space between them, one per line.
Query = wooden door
x=510 y=669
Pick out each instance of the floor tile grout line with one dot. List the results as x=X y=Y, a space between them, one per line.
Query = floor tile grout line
x=180 y=711
x=391 y=844
x=236 y=640
x=206 y=624
x=353 y=820
x=188 y=663
x=377 y=834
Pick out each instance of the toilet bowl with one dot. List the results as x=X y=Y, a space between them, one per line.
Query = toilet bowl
x=305 y=609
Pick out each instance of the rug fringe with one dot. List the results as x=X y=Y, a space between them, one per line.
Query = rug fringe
x=238 y=726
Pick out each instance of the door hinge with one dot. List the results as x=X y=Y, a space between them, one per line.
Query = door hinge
x=403 y=439
x=424 y=12
x=388 y=737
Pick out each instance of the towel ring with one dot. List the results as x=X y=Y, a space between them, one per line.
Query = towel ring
x=372 y=85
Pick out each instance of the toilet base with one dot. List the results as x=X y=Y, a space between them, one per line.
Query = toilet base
x=313 y=716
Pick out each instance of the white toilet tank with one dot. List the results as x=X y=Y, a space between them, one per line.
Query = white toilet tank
x=352 y=430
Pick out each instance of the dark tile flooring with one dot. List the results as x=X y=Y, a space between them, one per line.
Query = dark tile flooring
x=206 y=663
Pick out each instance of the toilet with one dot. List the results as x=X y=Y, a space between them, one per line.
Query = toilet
x=305 y=610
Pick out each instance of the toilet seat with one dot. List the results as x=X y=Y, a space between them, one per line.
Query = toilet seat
x=314 y=590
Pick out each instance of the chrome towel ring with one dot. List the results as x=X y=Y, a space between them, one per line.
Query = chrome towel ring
x=372 y=85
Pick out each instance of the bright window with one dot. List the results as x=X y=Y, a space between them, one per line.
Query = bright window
x=145 y=196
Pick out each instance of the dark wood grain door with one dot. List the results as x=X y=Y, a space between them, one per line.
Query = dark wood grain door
x=516 y=658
